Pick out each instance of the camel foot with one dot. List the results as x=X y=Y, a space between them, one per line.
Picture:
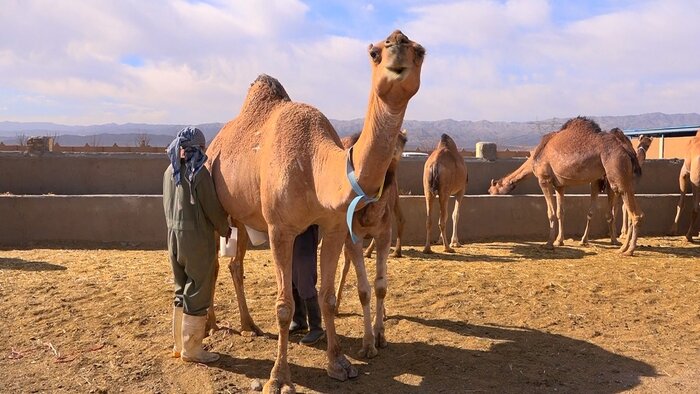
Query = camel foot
x=583 y=242
x=449 y=250
x=397 y=253
x=559 y=242
x=251 y=330
x=689 y=239
x=380 y=339
x=211 y=327
x=547 y=246
x=615 y=242
x=341 y=369
x=368 y=351
x=456 y=244
x=623 y=248
x=368 y=254
x=278 y=387
x=427 y=250
x=628 y=253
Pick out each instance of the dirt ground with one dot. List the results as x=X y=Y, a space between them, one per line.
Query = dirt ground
x=494 y=317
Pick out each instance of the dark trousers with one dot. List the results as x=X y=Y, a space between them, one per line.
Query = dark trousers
x=304 y=262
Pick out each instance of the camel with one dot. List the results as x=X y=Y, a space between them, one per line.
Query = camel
x=375 y=221
x=444 y=175
x=506 y=184
x=642 y=147
x=689 y=178
x=279 y=167
x=581 y=153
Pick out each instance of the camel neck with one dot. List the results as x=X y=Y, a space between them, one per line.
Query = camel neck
x=521 y=173
x=375 y=148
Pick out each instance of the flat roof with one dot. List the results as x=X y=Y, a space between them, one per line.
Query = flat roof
x=676 y=131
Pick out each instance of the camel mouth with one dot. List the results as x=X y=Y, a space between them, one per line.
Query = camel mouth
x=397 y=70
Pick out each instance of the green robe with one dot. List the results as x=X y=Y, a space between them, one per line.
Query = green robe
x=191 y=237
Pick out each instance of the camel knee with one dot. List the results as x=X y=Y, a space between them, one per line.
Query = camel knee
x=365 y=295
x=380 y=287
x=329 y=301
x=284 y=313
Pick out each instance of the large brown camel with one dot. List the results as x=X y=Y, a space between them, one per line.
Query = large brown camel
x=444 y=175
x=280 y=167
x=506 y=184
x=372 y=221
x=689 y=178
x=581 y=153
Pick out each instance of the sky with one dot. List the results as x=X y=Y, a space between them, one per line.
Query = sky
x=191 y=62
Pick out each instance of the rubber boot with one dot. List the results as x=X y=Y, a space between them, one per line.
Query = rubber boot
x=316 y=332
x=192 y=336
x=177 y=331
x=299 y=318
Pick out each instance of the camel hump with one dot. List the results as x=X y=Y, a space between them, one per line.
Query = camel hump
x=582 y=123
x=266 y=87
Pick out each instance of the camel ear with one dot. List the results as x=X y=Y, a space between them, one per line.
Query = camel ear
x=375 y=53
x=493 y=183
x=651 y=138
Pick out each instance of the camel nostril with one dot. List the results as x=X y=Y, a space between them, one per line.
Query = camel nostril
x=397 y=70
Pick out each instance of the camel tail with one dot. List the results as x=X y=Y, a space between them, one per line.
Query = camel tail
x=636 y=168
x=603 y=185
x=434 y=179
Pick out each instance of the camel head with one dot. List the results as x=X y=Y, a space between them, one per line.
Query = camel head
x=645 y=142
x=396 y=66
x=500 y=187
x=400 y=145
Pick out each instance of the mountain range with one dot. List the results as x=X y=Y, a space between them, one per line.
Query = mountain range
x=422 y=134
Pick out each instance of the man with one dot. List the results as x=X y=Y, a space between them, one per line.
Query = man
x=193 y=213
x=304 y=277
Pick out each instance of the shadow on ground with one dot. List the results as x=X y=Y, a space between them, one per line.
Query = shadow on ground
x=23 y=265
x=519 y=360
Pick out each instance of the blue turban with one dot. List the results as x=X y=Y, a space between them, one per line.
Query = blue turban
x=191 y=139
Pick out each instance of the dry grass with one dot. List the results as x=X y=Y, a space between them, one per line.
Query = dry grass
x=495 y=317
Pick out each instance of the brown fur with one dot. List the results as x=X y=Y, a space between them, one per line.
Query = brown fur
x=581 y=153
x=279 y=167
x=689 y=180
x=444 y=175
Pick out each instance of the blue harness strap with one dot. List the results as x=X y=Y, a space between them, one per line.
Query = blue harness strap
x=361 y=195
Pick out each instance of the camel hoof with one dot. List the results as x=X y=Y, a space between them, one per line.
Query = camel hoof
x=547 y=246
x=341 y=369
x=615 y=242
x=277 y=387
x=559 y=242
x=380 y=340
x=251 y=330
x=368 y=351
x=396 y=254
x=368 y=254
x=449 y=250
x=628 y=253
x=583 y=243
x=456 y=245
x=427 y=251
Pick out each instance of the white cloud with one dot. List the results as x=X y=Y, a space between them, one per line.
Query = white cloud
x=194 y=61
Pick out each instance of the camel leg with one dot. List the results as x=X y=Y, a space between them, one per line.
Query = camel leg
x=235 y=267
x=683 y=181
x=364 y=291
x=560 y=216
x=380 y=286
x=428 y=222
x=370 y=249
x=624 y=230
x=548 y=192
x=281 y=244
x=333 y=239
x=611 y=215
x=455 y=219
x=211 y=325
x=694 y=215
x=630 y=243
x=591 y=211
x=343 y=276
x=400 y=221
x=444 y=200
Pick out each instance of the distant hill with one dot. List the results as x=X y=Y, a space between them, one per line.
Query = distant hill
x=421 y=134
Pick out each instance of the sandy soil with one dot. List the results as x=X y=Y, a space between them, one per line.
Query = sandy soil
x=495 y=317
